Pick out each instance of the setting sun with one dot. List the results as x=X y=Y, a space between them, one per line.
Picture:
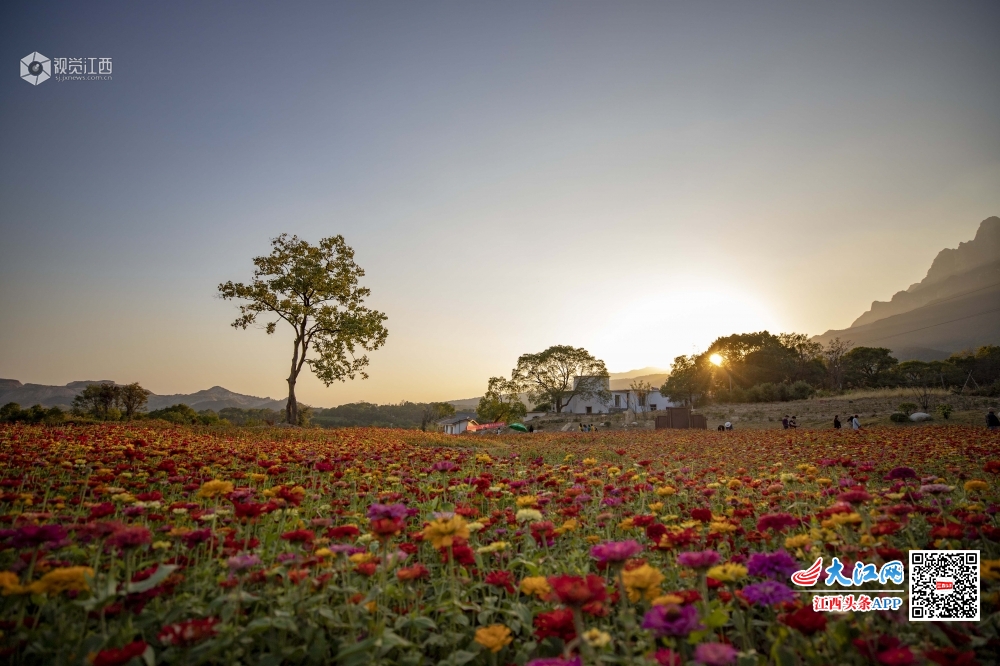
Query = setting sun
x=715 y=359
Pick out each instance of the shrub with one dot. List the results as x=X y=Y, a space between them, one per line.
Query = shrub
x=899 y=417
x=944 y=411
x=908 y=407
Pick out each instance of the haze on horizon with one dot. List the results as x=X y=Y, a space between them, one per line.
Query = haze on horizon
x=633 y=178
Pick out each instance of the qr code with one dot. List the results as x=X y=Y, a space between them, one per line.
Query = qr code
x=944 y=585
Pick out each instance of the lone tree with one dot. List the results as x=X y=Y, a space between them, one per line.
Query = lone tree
x=642 y=389
x=314 y=289
x=561 y=372
x=98 y=400
x=133 y=398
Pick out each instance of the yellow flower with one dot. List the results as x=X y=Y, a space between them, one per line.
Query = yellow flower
x=11 y=584
x=824 y=481
x=665 y=491
x=570 y=525
x=797 y=541
x=494 y=547
x=643 y=581
x=734 y=484
x=596 y=638
x=60 y=580
x=493 y=637
x=593 y=538
x=839 y=519
x=442 y=533
x=528 y=516
x=536 y=585
x=668 y=599
x=526 y=502
x=655 y=506
x=123 y=497
x=590 y=461
x=626 y=524
x=989 y=569
x=614 y=471
x=976 y=485
x=323 y=552
x=721 y=527
x=215 y=488
x=361 y=558
x=161 y=545
x=727 y=573
x=484 y=458
x=258 y=477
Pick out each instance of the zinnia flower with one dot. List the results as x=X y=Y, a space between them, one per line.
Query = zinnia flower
x=768 y=593
x=698 y=559
x=189 y=632
x=727 y=573
x=578 y=591
x=776 y=565
x=615 y=552
x=536 y=585
x=642 y=582
x=442 y=533
x=61 y=580
x=493 y=637
x=715 y=654
x=671 y=620
x=119 y=656
x=777 y=521
x=215 y=488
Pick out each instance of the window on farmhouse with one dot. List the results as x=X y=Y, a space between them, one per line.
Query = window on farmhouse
x=590 y=410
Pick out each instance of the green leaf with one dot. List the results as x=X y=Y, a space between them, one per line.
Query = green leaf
x=717 y=618
x=160 y=575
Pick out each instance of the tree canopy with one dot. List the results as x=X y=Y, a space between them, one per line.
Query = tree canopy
x=315 y=290
x=502 y=402
x=559 y=373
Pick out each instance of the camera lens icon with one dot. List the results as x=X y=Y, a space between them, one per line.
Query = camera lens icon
x=35 y=68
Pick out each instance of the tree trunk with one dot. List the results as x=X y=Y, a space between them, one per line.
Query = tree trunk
x=292 y=407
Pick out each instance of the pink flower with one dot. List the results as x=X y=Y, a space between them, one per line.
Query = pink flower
x=615 y=551
x=698 y=559
x=715 y=654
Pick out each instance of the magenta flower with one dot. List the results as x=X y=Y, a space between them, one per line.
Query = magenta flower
x=777 y=565
x=768 y=593
x=671 y=620
x=777 y=521
x=32 y=536
x=854 y=496
x=699 y=559
x=715 y=654
x=242 y=561
x=900 y=473
x=615 y=551
x=387 y=511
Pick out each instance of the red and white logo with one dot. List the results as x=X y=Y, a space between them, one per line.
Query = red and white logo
x=944 y=585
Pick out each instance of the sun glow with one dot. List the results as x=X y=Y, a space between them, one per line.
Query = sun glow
x=716 y=359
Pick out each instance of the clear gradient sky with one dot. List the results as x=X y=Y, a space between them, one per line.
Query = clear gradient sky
x=634 y=178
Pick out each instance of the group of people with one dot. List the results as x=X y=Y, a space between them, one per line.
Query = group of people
x=851 y=421
x=588 y=427
x=787 y=423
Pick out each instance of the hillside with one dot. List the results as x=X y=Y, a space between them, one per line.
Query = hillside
x=955 y=307
x=216 y=398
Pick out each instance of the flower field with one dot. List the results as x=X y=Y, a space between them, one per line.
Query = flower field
x=138 y=544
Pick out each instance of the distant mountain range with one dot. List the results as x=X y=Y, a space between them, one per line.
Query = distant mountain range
x=954 y=308
x=215 y=398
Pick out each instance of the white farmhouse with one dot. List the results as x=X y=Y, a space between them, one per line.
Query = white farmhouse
x=457 y=425
x=619 y=401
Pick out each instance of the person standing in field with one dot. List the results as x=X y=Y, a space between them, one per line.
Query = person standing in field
x=784 y=422
x=992 y=422
x=836 y=422
x=855 y=423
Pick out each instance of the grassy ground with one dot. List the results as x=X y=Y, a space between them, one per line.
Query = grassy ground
x=873 y=408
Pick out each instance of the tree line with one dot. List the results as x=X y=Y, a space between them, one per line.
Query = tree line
x=762 y=367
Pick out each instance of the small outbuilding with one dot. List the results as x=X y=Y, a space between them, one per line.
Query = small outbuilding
x=457 y=425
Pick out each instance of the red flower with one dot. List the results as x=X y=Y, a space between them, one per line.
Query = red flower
x=102 y=510
x=366 y=568
x=130 y=537
x=544 y=533
x=343 y=532
x=502 y=579
x=703 y=515
x=387 y=527
x=557 y=623
x=947 y=532
x=188 y=632
x=299 y=536
x=777 y=521
x=900 y=656
x=578 y=591
x=119 y=656
x=460 y=551
x=416 y=572
x=805 y=620
x=253 y=509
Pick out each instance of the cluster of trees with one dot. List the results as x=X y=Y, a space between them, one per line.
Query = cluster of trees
x=12 y=413
x=365 y=414
x=550 y=379
x=111 y=402
x=761 y=367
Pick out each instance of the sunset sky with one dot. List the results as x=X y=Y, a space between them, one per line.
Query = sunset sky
x=633 y=178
